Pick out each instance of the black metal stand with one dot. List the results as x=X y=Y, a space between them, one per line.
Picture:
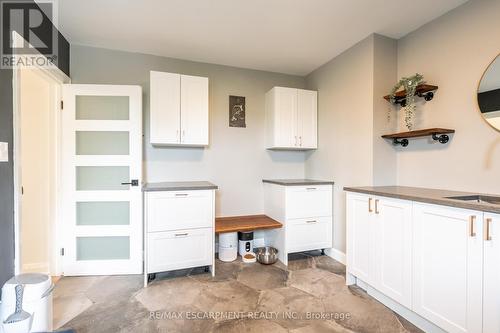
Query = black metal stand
x=443 y=138
x=322 y=252
x=428 y=96
x=403 y=142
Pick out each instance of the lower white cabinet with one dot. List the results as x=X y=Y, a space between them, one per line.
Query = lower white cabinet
x=440 y=262
x=491 y=273
x=379 y=244
x=306 y=214
x=179 y=230
x=447 y=287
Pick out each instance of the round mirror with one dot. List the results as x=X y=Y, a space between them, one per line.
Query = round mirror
x=488 y=95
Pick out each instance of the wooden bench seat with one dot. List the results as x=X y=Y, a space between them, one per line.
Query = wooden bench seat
x=245 y=223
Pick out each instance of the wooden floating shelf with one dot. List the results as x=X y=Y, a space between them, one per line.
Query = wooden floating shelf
x=423 y=90
x=437 y=134
x=245 y=223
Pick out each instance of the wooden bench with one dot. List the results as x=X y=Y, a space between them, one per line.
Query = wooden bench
x=245 y=223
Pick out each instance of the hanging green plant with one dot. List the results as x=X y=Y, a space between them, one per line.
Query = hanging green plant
x=410 y=85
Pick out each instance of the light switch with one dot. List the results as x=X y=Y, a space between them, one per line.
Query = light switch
x=4 y=151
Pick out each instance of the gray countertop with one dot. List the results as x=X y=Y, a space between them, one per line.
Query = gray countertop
x=427 y=195
x=297 y=182
x=179 y=186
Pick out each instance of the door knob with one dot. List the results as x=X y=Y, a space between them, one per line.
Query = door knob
x=133 y=182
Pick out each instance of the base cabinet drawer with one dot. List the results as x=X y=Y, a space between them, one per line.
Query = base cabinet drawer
x=309 y=234
x=306 y=201
x=179 y=249
x=179 y=210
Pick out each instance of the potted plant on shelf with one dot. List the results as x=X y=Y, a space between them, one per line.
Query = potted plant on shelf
x=409 y=84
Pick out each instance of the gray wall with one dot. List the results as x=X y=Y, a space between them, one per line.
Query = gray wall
x=453 y=52
x=345 y=126
x=236 y=159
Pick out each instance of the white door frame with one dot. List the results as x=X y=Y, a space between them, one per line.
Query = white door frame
x=57 y=77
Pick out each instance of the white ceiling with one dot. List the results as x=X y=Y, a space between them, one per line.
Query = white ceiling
x=287 y=36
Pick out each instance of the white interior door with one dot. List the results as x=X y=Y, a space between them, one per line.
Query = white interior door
x=102 y=150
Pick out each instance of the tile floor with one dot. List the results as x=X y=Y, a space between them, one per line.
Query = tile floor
x=241 y=298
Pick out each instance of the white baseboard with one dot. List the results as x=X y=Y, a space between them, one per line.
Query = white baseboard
x=404 y=312
x=38 y=267
x=337 y=255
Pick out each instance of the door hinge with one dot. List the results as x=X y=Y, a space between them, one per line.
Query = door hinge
x=62 y=251
x=62 y=105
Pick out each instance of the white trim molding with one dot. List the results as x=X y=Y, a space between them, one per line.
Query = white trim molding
x=337 y=255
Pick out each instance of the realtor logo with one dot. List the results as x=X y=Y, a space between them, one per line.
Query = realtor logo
x=29 y=36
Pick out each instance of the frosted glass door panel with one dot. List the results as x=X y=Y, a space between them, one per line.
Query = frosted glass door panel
x=102 y=178
x=102 y=248
x=103 y=213
x=102 y=143
x=102 y=108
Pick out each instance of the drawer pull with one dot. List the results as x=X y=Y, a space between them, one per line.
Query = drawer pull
x=370 y=210
x=472 y=222
x=376 y=206
x=311 y=188
x=181 y=235
x=181 y=194
x=312 y=221
x=487 y=236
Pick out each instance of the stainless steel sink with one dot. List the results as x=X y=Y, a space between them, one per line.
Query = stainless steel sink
x=478 y=198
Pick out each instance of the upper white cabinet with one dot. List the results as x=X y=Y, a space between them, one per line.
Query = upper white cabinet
x=178 y=109
x=291 y=118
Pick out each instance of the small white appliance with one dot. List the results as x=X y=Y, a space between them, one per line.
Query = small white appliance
x=228 y=246
x=27 y=304
x=245 y=241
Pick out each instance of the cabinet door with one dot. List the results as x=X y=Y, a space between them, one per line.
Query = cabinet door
x=285 y=117
x=194 y=110
x=307 y=201
x=447 y=259
x=491 y=274
x=360 y=237
x=309 y=234
x=307 y=119
x=165 y=102
x=393 y=221
x=179 y=249
x=179 y=210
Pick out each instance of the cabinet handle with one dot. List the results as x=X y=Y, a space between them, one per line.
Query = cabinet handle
x=376 y=206
x=181 y=194
x=180 y=235
x=296 y=141
x=487 y=236
x=177 y=136
x=370 y=210
x=311 y=188
x=472 y=222
x=311 y=221
x=300 y=140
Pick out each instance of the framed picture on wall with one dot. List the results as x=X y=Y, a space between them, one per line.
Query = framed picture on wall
x=237 y=116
